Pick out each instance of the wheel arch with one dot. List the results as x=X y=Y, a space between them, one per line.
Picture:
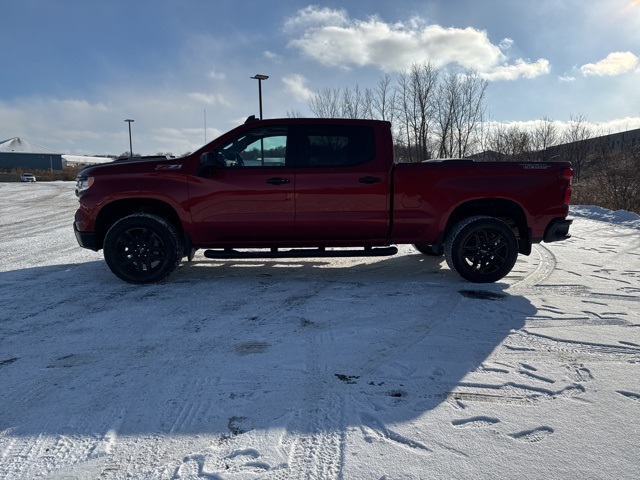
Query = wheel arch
x=114 y=211
x=507 y=210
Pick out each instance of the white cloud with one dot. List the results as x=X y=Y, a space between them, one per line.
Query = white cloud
x=314 y=17
x=616 y=63
x=295 y=85
x=63 y=125
x=211 y=99
x=567 y=78
x=619 y=125
x=80 y=106
x=333 y=39
x=164 y=121
x=272 y=56
x=506 y=43
x=520 y=69
x=216 y=75
x=180 y=140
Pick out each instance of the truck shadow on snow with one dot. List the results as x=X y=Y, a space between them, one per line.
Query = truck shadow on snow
x=230 y=347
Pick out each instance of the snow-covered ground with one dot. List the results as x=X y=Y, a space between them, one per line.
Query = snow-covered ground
x=388 y=368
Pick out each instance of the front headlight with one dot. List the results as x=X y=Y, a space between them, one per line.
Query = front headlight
x=83 y=184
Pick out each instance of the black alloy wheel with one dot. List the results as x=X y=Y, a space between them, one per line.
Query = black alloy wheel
x=481 y=249
x=142 y=248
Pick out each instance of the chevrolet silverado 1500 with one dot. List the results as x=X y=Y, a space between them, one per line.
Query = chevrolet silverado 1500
x=317 y=187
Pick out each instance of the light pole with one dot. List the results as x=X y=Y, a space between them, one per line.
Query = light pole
x=128 y=120
x=260 y=78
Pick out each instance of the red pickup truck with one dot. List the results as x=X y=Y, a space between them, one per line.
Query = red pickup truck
x=313 y=188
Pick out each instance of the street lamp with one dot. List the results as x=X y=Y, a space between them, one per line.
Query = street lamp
x=260 y=78
x=128 y=120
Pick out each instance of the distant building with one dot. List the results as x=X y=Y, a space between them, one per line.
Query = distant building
x=592 y=148
x=616 y=142
x=79 y=161
x=22 y=154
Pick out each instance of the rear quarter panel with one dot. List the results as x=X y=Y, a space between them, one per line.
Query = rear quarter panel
x=427 y=193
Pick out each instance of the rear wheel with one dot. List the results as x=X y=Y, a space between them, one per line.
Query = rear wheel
x=142 y=248
x=481 y=249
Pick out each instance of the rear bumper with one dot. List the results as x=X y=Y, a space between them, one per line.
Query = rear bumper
x=558 y=230
x=85 y=239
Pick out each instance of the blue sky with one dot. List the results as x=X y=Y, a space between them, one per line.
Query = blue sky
x=73 y=70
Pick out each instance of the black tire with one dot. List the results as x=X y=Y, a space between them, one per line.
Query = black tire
x=428 y=249
x=481 y=249
x=142 y=248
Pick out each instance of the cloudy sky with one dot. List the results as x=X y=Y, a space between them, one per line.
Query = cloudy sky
x=73 y=70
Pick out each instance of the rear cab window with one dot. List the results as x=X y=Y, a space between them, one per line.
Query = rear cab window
x=336 y=145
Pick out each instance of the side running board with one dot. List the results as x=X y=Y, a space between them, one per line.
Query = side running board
x=301 y=253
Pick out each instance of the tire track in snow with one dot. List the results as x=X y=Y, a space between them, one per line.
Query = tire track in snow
x=317 y=448
x=546 y=264
x=526 y=340
x=316 y=435
x=33 y=456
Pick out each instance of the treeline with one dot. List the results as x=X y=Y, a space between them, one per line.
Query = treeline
x=605 y=174
x=434 y=113
x=611 y=181
x=437 y=113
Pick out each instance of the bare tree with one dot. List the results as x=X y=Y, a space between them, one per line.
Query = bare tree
x=326 y=103
x=415 y=107
x=356 y=103
x=383 y=100
x=543 y=136
x=447 y=104
x=350 y=104
x=614 y=182
x=429 y=114
x=343 y=103
x=470 y=112
x=509 y=142
x=576 y=146
x=460 y=112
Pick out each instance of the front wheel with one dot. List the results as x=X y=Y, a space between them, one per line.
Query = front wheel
x=142 y=248
x=481 y=249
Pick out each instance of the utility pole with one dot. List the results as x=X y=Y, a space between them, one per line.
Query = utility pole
x=260 y=78
x=128 y=120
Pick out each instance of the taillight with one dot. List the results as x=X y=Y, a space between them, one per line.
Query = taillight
x=567 y=174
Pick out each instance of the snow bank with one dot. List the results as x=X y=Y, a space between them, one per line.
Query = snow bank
x=622 y=217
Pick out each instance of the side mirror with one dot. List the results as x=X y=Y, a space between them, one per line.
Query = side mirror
x=212 y=159
x=209 y=161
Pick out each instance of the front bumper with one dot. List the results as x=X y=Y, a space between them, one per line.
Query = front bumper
x=558 y=230
x=85 y=239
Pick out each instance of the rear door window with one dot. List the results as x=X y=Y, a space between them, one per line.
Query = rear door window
x=337 y=146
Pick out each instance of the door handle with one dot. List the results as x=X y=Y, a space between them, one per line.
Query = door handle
x=370 y=180
x=278 y=181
